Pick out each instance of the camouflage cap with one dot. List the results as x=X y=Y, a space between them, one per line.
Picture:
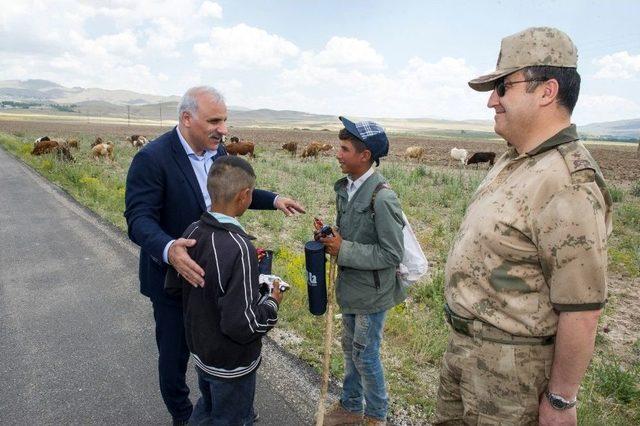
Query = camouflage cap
x=537 y=46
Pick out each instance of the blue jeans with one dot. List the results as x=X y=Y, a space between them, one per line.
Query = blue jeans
x=363 y=374
x=224 y=402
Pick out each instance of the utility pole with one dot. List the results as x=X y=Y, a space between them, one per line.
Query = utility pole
x=160 y=114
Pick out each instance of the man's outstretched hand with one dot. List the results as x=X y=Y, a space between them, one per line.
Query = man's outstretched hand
x=180 y=259
x=288 y=206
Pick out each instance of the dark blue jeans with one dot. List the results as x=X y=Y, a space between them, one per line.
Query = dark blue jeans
x=224 y=402
x=363 y=374
x=172 y=359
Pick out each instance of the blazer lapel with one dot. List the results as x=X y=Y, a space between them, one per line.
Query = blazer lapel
x=180 y=157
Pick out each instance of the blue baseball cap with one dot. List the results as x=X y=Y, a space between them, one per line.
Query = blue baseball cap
x=371 y=134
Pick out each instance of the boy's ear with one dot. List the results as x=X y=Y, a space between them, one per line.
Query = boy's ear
x=243 y=194
x=366 y=155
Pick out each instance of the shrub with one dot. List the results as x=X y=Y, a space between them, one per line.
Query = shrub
x=635 y=190
x=617 y=194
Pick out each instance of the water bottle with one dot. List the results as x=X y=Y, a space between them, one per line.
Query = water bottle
x=316 y=277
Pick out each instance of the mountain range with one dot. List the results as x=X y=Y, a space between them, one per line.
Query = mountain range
x=52 y=97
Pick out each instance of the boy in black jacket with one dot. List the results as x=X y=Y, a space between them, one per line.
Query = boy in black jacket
x=224 y=321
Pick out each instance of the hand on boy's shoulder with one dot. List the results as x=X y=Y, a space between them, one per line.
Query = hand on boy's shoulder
x=179 y=258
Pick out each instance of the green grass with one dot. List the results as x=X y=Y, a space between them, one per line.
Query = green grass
x=435 y=200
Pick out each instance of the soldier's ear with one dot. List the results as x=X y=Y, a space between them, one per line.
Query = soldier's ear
x=550 y=90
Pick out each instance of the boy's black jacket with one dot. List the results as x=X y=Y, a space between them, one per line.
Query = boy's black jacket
x=223 y=321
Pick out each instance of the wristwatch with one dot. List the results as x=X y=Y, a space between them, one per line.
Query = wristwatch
x=558 y=402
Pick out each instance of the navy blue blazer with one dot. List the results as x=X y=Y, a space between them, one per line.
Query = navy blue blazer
x=162 y=199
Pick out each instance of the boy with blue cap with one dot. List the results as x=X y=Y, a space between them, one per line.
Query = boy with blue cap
x=368 y=248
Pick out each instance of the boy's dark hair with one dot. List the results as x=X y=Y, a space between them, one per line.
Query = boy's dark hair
x=568 y=83
x=345 y=135
x=228 y=176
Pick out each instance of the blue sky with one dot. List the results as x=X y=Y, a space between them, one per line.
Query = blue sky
x=361 y=58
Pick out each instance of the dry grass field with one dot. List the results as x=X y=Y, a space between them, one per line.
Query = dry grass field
x=434 y=196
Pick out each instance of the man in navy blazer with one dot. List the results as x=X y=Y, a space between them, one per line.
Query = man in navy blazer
x=165 y=192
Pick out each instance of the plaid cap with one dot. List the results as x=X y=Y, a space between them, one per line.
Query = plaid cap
x=371 y=134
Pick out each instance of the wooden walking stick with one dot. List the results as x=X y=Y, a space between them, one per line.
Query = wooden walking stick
x=328 y=338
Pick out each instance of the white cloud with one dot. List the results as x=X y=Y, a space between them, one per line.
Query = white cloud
x=345 y=51
x=421 y=88
x=243 y=47
x=599 y=108
x=620 y=65
x=211 y=9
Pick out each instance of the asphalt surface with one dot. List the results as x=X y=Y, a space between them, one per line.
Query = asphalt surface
x=76 y=338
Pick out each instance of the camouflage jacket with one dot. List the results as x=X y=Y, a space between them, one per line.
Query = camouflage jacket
x=533 y=240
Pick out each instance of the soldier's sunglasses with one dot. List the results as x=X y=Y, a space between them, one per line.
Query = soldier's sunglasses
x=501 y=86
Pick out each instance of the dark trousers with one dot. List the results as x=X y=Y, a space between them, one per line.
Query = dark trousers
x=225 y=402
x=173 y=359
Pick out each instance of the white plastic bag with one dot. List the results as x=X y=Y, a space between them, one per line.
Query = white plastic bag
x=414 y=263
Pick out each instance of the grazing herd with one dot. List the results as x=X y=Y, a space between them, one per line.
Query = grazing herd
x=105 y=150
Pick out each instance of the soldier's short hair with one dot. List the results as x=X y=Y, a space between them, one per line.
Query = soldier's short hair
x=228 y=176
x=568 y=83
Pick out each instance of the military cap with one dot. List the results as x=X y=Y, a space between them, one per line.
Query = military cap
x=536 y=46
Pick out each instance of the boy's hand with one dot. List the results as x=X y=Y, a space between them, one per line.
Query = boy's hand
x=332 y=243
x=186 y=267
x=276 y=293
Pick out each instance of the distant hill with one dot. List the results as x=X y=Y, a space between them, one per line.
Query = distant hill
x=48 y=91
x=51 y=98
x=622 y=129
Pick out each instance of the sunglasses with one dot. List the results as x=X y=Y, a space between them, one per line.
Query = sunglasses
x=501 y=86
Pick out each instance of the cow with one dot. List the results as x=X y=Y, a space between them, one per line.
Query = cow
x=104 y=150
x=137 y=141
x=482 y=157
x=63 y=153
x=291 y=147
x=240 y=148
x=460 y=154
x=414 y=152
x=44 y=147
x=73 y=143
x=97 y=142
x=326 y=147
x=311 y=150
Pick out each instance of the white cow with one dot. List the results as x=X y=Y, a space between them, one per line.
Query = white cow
x=460 y=154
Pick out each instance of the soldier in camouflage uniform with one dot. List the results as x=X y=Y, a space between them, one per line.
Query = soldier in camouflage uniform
x=526 y=275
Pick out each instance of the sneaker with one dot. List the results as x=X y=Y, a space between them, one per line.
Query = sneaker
x=372 y=421
x=337 y=415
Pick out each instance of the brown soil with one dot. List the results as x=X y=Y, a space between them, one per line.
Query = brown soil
x=619 y=163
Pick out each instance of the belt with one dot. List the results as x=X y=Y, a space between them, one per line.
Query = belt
x=485 y=331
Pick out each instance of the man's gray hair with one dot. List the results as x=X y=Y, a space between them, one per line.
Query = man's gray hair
x=189 y=103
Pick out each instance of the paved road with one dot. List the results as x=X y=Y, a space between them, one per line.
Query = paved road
x=76 y=337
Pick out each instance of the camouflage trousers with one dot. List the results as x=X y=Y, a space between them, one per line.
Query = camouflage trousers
x=487 y=383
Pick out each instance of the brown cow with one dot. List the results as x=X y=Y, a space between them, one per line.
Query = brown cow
x=63 y=153
x=292 y=147
x=73 y=143
x=241 y=148
x=311 y=150
x=97 y=141
x=44 y=147
x=104 y=150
